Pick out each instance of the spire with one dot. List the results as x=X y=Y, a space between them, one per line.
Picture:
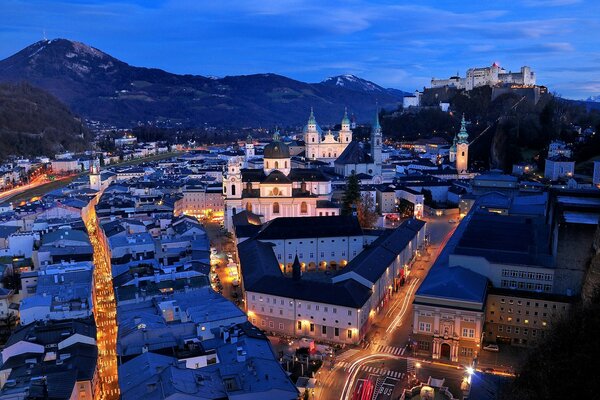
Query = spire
x=345 y=120
x=463 y=136
x=311 y=118
x=296 y=269
x=376 y=125
x=249 y=139
x=276 y=136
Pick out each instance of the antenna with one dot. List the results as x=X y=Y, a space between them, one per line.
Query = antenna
x=44 y=35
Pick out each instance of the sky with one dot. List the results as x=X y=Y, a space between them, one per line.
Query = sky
x=400 y=44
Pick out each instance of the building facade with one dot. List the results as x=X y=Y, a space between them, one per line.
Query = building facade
x=326 y=146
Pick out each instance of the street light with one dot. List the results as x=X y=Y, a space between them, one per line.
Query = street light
x=470 y=371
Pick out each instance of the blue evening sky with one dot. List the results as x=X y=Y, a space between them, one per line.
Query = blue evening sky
x=399 y=44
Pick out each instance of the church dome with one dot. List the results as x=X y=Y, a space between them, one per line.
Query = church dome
x=276 y=149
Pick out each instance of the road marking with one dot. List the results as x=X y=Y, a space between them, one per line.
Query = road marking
x=347 y=354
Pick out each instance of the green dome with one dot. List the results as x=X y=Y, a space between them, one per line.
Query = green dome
x=345 y=120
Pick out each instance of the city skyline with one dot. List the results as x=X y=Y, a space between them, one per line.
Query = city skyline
x=398 y=45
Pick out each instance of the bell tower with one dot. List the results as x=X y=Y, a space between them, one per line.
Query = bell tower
x=312 y=136
x=232 y=185
x=95 y=180
x=462 y=148
x=376 y=140
x=345 y=133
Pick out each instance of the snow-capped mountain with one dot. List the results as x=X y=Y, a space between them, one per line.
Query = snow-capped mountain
x=595 y=99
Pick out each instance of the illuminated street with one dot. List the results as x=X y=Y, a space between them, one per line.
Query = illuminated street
x=381 y=369
x=104 y=310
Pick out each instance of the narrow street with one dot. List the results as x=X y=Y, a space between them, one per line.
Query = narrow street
x=104 y=310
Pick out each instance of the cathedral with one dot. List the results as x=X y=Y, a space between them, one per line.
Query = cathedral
x=325 y=147
x=280 y=190
x=276 y=189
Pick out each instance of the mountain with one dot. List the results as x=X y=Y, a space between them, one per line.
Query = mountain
x=595 y=99
x=103 y=88
x=33 y=122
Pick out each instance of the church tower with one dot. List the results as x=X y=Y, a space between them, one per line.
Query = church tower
x=345 y=134
x=452 y=151
x=312 y=137
x=249 y=148
x=95 y=180
x=232 y=184
x=462 y=148
x=376 y=140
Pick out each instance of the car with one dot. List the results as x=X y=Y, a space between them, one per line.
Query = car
x=452 y=221
x=489 y=370
x=492 y=347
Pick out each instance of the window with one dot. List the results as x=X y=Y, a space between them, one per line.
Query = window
x=249 y=207
x=422 y=345
x=517 y=329
x=349 y=313
x=508 y=329
x=271 y=324
x=276 y=164
x=276 y=208
x=500 y=328
x=281 y=326
x=466 y=352
x=334 y=310
x=233 y=190
x=470 y=333
x=303 y=208
x=324 y=330
x=312 y=327
x=336 y=331
x=299 y=325
x=349 y=333
x=424 y=327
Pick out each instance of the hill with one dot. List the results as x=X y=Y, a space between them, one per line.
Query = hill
x=33 y=122
x=103 y=88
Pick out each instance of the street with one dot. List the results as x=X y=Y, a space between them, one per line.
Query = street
x=381 y=367
x=105 y=310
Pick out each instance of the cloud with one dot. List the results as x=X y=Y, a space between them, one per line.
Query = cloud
x=550 y=3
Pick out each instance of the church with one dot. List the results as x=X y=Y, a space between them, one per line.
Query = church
x=276 y=189
x=459 y=151
x=325 y=147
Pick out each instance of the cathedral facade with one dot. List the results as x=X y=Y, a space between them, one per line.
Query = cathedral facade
x=276 y=189
x=327 y=146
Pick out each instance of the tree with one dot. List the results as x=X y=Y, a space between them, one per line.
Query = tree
x=351 y=195
x=365 y=210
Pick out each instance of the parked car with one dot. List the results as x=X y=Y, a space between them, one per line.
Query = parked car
x=492 y=347
x=452 y=221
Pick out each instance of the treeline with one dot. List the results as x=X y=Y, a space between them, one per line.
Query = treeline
x=518 y=129
x=33 y=122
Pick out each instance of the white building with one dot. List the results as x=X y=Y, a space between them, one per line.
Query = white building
x=559 y=167
x=277 y=189
x=329 y=146
x=487 y=76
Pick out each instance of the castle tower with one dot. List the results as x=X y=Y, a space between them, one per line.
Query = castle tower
x=345 y=134
x=312 y=136
x=462 y=148
x=95 y=180
x=376 y=140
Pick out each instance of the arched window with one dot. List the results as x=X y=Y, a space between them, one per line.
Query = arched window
x=276 y=164
x=234 y=211
x=276 y=208
x=303 y=208
x=233 y=190
x=463 y=153
x=329 y=155
x=313 y=139
x=347 y=139
x=249 y=206
x=285 y=164
x=267 y=165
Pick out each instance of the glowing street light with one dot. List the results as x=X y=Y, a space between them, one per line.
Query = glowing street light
x=470 y=371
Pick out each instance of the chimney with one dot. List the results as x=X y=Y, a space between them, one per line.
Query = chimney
x=296 y=269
